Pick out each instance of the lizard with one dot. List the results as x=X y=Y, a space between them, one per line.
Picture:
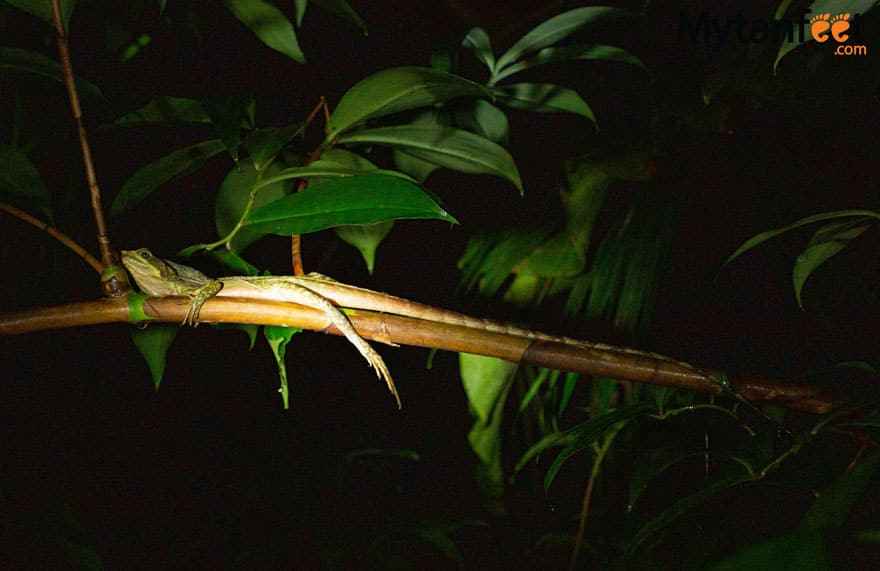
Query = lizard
x=158 y=277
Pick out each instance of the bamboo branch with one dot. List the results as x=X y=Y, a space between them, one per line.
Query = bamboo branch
x=394 y=329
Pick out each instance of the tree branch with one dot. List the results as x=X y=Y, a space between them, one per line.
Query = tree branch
x=395 y=329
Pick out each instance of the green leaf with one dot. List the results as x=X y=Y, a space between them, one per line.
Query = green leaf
x=166 y=109
x=598 y=52
x=238 y=265
x=21 y=184
x=17 y=61
x=299 y=7
x=543 y=98
x=825 y=243
x=556 y=257
x=415 y=167
x=437 y=532
x=234 y=195
x=228 y=113
x=398 y=89
x=480 y=377
x=571 y=380
x=682 y=506
x=629 y=262
x=278 y=338
x=490 y=258
x=361 y=199
x=366 y=238
x=342 y=9
x=582 y=437
x=782 y=9
x=153 y=343
x=487 y=382
x=822 y=7
x=324 y=168
x=535 y=387
x=43 y=9
x=769 y=234
x=490 y=122
x=649 y=465
x=556 y=28
x=150 y=177
x=269 y=24
x=582 y=434
x=478 y=40
x=583 y=198
x=802 y=549
x=346 y=159
x=832 y=508
x=263 y=145
x=452 y=148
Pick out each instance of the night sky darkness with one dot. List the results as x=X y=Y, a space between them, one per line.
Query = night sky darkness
x=210 y=472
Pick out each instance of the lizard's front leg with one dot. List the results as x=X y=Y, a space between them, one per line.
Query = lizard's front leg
x=198 y=298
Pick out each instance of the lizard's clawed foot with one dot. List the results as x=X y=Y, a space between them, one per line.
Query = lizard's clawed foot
x=378 y=364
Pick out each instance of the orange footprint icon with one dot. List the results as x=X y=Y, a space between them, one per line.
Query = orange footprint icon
x=819 y=27
x=839 y=25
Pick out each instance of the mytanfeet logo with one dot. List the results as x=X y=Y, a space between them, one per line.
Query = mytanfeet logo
x=717 y=31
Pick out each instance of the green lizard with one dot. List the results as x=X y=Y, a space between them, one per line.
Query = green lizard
x=159 y=277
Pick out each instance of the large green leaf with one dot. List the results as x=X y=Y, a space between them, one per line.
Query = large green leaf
x=415 y=167
x=234 y=196
x=167 y=109
x=825 y=243
x=482 y=380
x=452 y=148
x=487 y=381
x=269 y=24
x=179 y=163
x=21 y=184
x=543 y=98
x=556 y=28
x=547 y=56
x=361 y=199
x=832 y=7
x=43 y=9
x=17 y=61
x=398 y=89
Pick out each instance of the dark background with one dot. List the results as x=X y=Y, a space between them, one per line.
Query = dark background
x=210 y=472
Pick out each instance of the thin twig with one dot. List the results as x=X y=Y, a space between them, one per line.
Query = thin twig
x=113 y=278
x=296 y=239
x=63 y=238
x=601 y=450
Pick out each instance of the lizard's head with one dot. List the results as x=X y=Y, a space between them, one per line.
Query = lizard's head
x=153 y=275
